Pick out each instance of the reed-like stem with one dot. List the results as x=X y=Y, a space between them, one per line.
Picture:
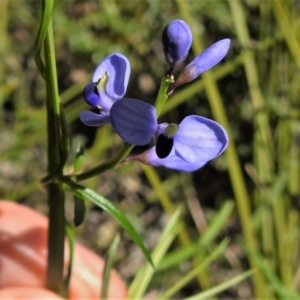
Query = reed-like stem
x=56 y=231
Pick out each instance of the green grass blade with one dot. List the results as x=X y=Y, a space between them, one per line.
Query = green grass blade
x=186 y=252
x=143 y=277
x=272 y=278
x=108 y=266
x=191 y=275
x=70 y=236
x=184 y=236
x=221 y=287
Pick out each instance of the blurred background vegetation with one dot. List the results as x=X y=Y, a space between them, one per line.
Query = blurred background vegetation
x=250 y=194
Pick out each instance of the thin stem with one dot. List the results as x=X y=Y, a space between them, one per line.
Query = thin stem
x=47 y=7
x=105 y=166
x=55 y=194
x=162 y=96
x=55 y=262
x=70 y=236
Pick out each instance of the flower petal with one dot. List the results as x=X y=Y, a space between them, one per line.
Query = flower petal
x=177 y=40
x=90 y=118
x=172 y=161
x=117 y=67
x=106 y=102
x=199 y=139
x=91 y=95
x=134 y=121
x=203 y=62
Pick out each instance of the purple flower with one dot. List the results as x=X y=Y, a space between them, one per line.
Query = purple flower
x=203 y=62
x=108 y=85
x=177 y=40
x=134 y=121
x=185 y=147
x=171 y=162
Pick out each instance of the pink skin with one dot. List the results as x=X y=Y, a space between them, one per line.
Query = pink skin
x=18 y=293
x=23 y=254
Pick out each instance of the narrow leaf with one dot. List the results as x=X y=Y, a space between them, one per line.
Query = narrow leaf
x=197 y=270
x=221 y=287
x=85 y=193
x=79 y=211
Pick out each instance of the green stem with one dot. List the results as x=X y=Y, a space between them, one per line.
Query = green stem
x=56 y=236
x=4 y=39
x=162 y=96
x=47 y=6
x=55 y=194
x=105 y=166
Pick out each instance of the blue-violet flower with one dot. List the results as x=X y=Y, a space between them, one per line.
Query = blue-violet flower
x=177 y=40
x=185 y=147
x=109 y=84
x=203 y=62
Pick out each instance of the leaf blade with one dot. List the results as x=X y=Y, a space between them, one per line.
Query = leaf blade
x=105 y=204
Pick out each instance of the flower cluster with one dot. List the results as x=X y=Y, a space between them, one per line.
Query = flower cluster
x=186 y=146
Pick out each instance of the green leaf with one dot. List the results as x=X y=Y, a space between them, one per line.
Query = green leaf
x=79 y=211
x=85 y=193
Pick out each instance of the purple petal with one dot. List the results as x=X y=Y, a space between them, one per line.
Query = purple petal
x=92 y=119
x=134 y=121
x=172 y=162
x=199 y=139
x=105 y=102
x=117 y=67
x=203 y=62
x=177 y=40
x=91 y=94
x=96 y=98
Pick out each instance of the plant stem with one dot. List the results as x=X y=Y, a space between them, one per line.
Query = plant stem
x=162 y=96
x=55 y=194
x=106 y=165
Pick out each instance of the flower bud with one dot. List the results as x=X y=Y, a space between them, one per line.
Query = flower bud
x=201 y=63
x=177 y=40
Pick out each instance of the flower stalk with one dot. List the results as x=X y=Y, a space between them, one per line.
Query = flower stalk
x=163 y=96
